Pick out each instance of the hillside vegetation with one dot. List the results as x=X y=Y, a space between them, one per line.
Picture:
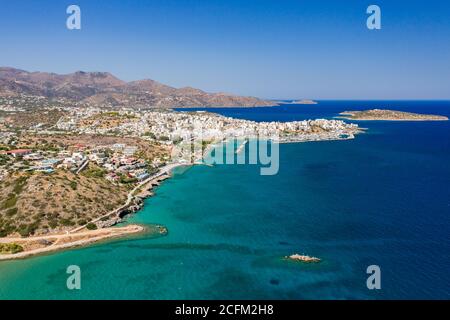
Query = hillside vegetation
x=39 y=203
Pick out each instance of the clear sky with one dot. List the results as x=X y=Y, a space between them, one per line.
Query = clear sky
x=272 y=49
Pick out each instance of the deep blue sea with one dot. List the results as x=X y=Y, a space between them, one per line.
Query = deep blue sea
x=380 y=199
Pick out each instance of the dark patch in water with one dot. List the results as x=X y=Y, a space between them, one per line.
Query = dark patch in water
x=186 y=217
x=103 y=251
x=229 y=279
x=192 y=246
x=274 y=282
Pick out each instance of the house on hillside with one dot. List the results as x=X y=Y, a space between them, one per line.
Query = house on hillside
x=18 y=152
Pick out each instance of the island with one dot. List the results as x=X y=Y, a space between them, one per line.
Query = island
x=390 y=115
x=304 y=101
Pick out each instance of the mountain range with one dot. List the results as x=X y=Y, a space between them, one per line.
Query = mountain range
x=104 y=89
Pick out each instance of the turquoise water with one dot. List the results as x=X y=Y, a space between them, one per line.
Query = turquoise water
x=382 y=198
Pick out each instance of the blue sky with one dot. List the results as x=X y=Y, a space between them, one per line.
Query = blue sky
x=273 y=49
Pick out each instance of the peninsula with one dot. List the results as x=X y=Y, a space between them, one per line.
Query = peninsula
x=390 y=115
x=18 y=248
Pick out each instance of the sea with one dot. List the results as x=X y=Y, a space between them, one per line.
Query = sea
x=381 y=199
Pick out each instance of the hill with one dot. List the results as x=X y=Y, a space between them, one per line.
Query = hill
x=104 y=89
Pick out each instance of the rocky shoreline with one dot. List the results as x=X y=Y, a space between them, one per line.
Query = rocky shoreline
x=135 y=205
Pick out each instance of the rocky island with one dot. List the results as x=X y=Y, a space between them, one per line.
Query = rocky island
x=304 y=101
x=302 y=258
x=390 y=115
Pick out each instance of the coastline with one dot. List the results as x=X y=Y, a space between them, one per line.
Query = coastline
x=134 y=203
x=73 y=240
x=305 y=167
x=134 y=200
x=80 y=236
x=107 y=222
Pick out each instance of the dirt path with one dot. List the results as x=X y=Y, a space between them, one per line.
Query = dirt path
x=69 y=240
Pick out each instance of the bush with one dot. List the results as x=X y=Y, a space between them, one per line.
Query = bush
x=53 y=224
x=67 y=222
x=91 y=226
x=11 y=212
x=177 y=140
x=36 y=203
x=10 y=248
x=10 y=202
x=73 y=185
x=125 y=180
x=26 y=230
x=6 y=229
x=150 y=134
x=3 y=160
x=19 y=184
x=164 y=138
x=94 y=173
